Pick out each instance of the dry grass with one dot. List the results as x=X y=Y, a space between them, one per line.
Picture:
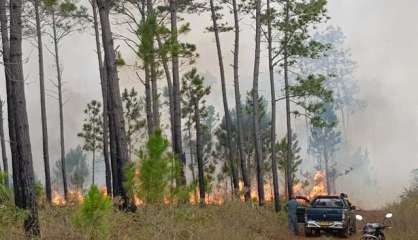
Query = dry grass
x=405 y=213
x=230 y=221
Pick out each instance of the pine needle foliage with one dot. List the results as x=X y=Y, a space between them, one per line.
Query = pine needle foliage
x=154 y=169
x=92 y=217
x=152 y=177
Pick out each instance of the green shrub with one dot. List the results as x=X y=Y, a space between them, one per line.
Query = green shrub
x=152 y=178
x=9 y=215
x=154 y=170
x=92 y=217
x=5 y=194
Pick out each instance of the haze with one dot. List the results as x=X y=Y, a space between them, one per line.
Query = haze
x=384 y=43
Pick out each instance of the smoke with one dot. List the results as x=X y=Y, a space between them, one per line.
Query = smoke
x=380 y=34
x=381 y=37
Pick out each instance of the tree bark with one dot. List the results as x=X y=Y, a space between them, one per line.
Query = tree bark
x=327 y=173
x=232 y=165
x=103 y=83
x=164 y=61
x=257 y=142
x=199 y=155
x=116 y=121
x=23 y=166
x=153 y=75
x=178 y=147
x=148 y=99
x=3 y=145
x=289 y=159
x=192 y=161
x=93 y=167
x=238 y=106
x=61 y=107
x=273 y=112
x=9 y=82
x=43 y=103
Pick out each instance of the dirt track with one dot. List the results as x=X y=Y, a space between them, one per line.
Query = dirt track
x=370 y=216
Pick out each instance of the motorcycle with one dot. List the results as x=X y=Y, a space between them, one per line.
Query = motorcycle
x=374 y=231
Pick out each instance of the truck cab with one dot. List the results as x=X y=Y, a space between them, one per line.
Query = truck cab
x=331 y=214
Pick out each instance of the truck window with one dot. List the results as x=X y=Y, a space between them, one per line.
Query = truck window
x=328 y=203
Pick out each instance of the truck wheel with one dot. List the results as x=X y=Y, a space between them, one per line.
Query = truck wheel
x=308 y=232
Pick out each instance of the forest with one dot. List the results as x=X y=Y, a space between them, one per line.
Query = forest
x=180 y=152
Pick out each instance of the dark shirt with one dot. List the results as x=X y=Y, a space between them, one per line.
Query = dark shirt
x=292 y=206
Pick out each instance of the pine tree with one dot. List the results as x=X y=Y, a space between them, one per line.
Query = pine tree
x=291 y=25
x=104 y=88
x=133 y=106
x=65 y=18
x=194 y=92
x=22 y=164
x=215 y=15
x=119 y=149
x=92 y=131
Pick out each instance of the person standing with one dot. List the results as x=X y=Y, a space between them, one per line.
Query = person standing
x=292 y=207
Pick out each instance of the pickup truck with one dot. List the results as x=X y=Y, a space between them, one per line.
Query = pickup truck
x=333 y=214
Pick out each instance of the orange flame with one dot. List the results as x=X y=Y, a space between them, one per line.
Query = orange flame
x=74 y=196
x=217 y=197
x=320 y=185
x=57 y=199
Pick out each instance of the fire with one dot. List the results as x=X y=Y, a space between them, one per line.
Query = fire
x=138 y=202
x=217 y=197
x=74 y=196
x=298 y=188
x=103 y=190
x=57 y=199
x=320 y=185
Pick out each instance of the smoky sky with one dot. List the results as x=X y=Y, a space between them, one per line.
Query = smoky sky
x=381 y=34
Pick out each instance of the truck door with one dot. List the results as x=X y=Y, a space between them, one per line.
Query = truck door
x=303 y=203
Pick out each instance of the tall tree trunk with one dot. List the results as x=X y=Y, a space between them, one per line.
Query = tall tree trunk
x=273 y=112
x=192 y=162
x=3 y=145
x=289 y=159
x=148 y=99
x=116 y=121
x=155 y=98
x=257 y=141
x=43 y=103
x=232 y=165
x=164 y=61
x=61 y=107
x=9 y=83
x=24 y=181
x=153 y=74
x=199 y=155
x=93 y=167
x=327 y=172
x=103 y=83
x=240 y=139
x=178 y=147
